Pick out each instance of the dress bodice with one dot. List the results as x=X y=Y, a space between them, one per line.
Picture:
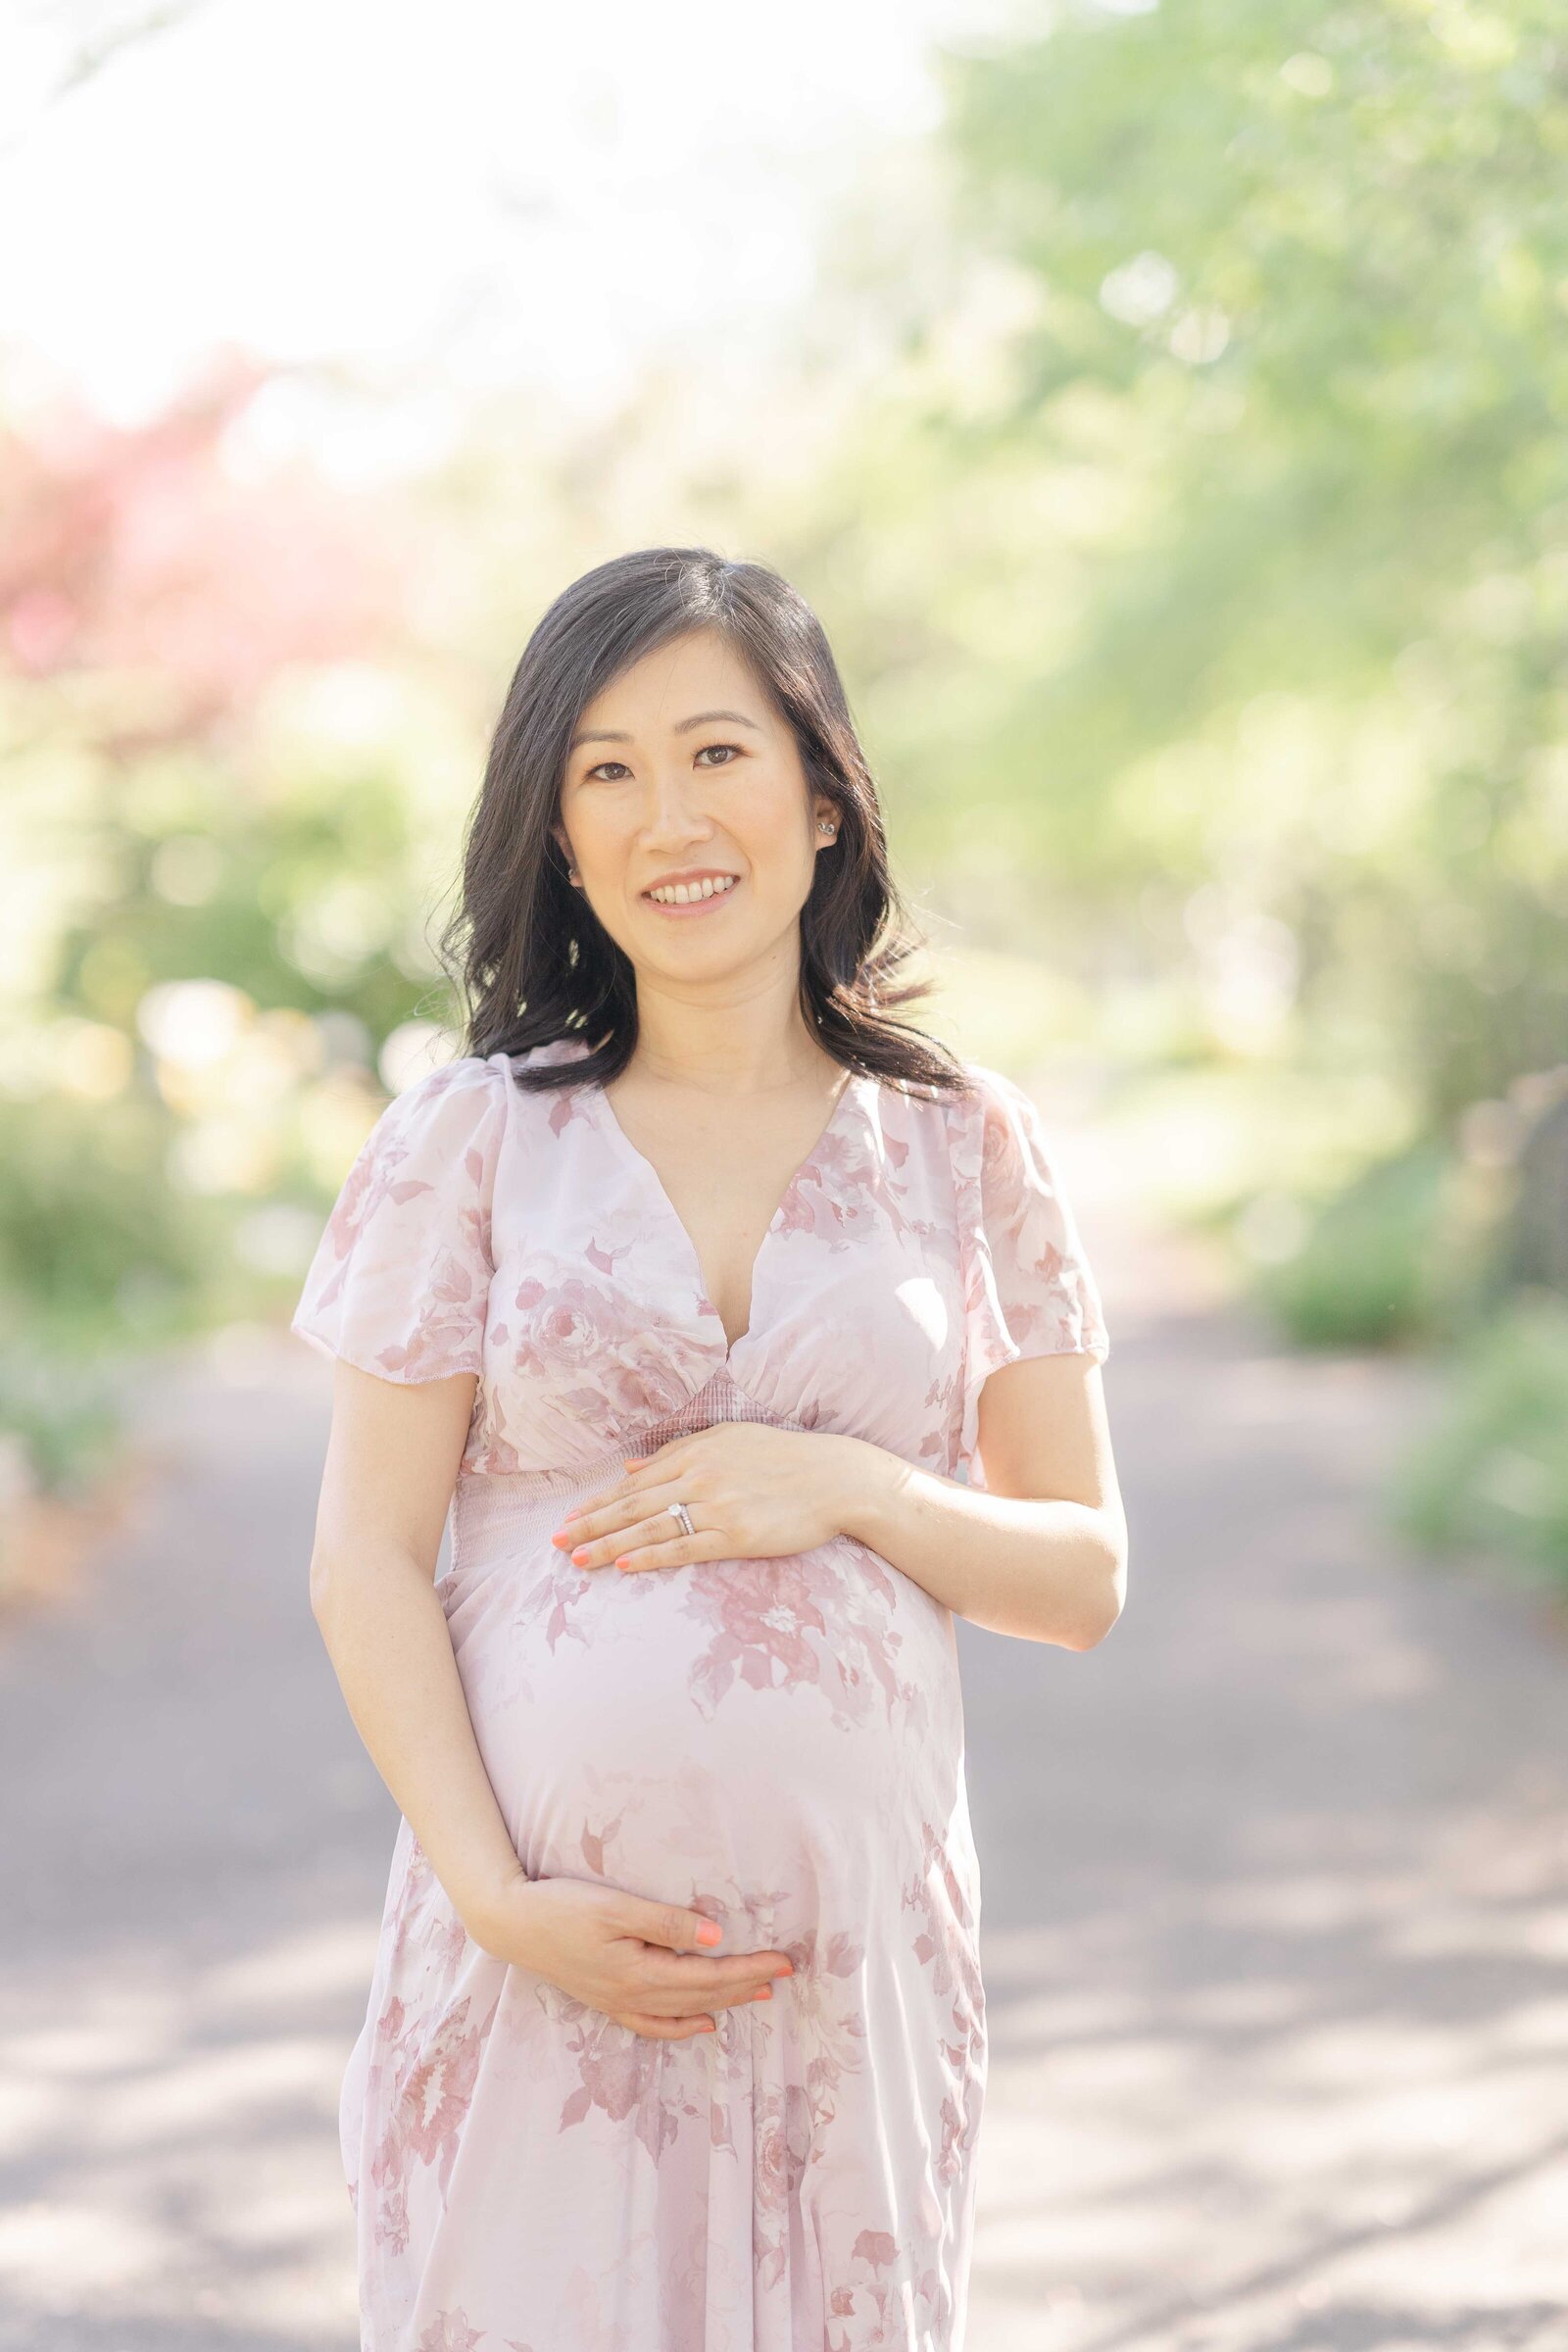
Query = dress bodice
x=520 y=1236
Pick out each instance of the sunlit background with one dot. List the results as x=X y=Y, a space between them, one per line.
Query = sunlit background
x=1183 y=485
x=1162 y=406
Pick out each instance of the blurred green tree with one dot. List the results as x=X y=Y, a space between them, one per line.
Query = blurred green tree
x=1295 y=282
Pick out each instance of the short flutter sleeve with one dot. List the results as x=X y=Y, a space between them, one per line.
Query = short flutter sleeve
x=1028 y=1287
x=401 y=1278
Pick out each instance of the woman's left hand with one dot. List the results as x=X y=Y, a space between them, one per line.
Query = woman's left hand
x=754 y=1492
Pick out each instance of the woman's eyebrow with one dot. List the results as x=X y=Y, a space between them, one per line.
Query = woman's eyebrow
x=699 y=718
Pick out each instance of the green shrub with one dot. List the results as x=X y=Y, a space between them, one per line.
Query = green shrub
x=66 y=1410
x=1491 y=1473
x=1390 y=1261
x=93 y=1236
x=99 y=1255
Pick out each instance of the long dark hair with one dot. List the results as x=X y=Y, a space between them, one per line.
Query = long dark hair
x=528 y=958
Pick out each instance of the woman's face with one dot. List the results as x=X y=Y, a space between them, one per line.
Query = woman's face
x=683 y=767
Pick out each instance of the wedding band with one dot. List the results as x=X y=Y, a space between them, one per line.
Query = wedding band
x=684 y=1516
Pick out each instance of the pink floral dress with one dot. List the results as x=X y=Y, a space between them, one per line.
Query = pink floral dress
x=778 y=1743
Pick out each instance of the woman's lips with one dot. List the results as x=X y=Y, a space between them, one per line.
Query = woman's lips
x=693 y=906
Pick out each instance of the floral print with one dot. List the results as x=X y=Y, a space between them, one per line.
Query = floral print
x=777 y=1742
x=1028 y=1290
x=398 y=1225
x=773 y=1622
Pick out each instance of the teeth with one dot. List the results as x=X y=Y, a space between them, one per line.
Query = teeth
x=681 y=894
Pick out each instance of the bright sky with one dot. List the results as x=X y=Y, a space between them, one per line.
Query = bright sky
x=487 y=192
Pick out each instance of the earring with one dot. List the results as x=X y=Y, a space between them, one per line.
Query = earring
x=824 y=824
x=573 y=875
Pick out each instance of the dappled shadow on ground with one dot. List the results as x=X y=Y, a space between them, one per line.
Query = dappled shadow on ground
x=194 y=1884
x=1275 y=1903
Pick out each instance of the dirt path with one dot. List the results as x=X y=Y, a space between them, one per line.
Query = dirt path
x=1277 y=1895
x=1276 y=1908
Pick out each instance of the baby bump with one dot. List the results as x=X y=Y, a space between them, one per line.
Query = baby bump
x=748 y=1731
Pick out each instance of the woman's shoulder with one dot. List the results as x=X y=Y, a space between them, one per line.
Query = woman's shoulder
x=438 y=1106
x=476 y=1079
x=981 y=1090
x=992 y=1100
x=987 y=1084
x=550 y=1054
x=994 y=1127
x=475 y=1074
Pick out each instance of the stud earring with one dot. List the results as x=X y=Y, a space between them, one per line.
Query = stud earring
x=824 y=825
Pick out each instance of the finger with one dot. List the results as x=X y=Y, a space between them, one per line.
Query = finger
x=610 y=1530
x=644 y=1470
x=668 y=1461
x=681 y=2000
x=673 y=1927
x=590 y=1507
x=623 y=1531
x=593 y=1542
x=680 y=1552
x=596 y=1512
x=651 y=2002
x=646 y=1501
x=664 y=2028
x=698 y=1977
x=637 y=1518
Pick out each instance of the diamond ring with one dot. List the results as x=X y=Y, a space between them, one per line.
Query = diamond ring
x=683 y=1515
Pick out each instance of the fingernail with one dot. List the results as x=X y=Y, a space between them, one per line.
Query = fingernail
x=580 y=1554
x=566 y=1517
x=706 y=2028
x=786 y=1971
x=765 y=1995
x=712 y=1933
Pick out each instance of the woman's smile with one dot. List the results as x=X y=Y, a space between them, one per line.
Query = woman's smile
x=717 y=895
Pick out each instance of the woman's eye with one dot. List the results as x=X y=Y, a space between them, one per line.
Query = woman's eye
x=732 y=748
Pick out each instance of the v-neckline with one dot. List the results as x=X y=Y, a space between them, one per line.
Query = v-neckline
x=619 y=1136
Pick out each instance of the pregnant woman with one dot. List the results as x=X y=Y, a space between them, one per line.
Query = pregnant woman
x=747 y=1334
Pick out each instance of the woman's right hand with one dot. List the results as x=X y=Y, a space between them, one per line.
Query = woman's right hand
x=648 y=1965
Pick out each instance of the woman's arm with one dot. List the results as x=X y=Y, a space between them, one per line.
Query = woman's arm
x=1041 y=1552
x=392 y=1458
x=401 y=1281
x=391 y=1461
